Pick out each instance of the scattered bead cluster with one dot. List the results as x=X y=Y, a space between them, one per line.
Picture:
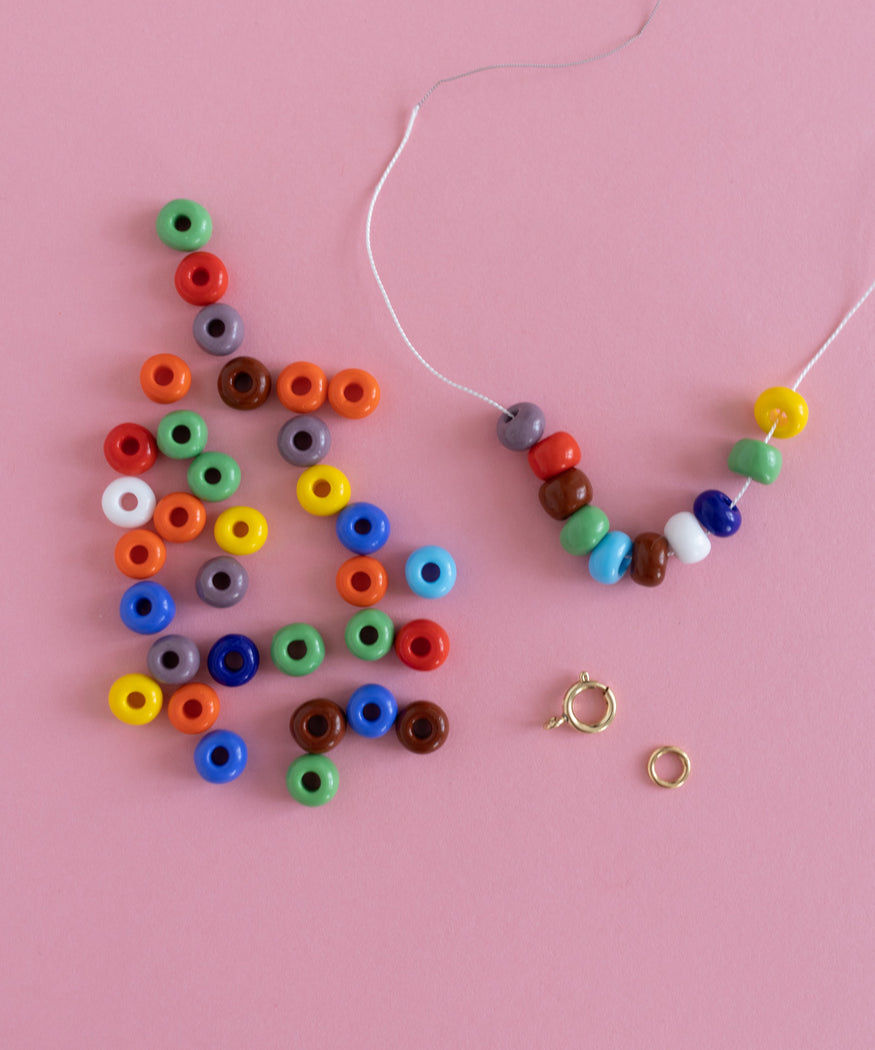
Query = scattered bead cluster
x=566 y=492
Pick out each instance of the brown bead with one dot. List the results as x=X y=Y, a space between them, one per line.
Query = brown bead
x=244 y=383
x=562 y=495
x=649 y=559
x=318 y=726
x=422 y=727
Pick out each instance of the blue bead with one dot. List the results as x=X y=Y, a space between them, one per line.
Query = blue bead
x=304 y=441
x=220 y=756
x=371 y=710
x=430 y=572
x=611 y=557
x=362 y=528
x=147 y=607
x=233 y=660
x=715 y=513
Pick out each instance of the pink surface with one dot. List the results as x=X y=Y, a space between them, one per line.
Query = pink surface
x=641 y=247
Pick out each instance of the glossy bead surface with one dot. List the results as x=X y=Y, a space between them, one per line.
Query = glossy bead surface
x=220 y=756
x=182 y=434
x=133 y=492
x=146 y=607
x=715 y=513
x=312 y=780
x=180 y=517
x=165 y=378
x=687 y=538
x=201 y=278
x=218 y=329
x=361 y=581
x=323 y=490
x=430 y=572
x=241 y=530
x=554 y=454
x=371 y=711
x=304 y=441
x=184 y=225
x=221 y=582
x=233 y=660
x=584 y=530
x=649 y=559
x=610 y=559
x=524 y=429
x=565 y=493
x=297 y=649
x=362 y=528
x=193 y=708
x=369 y=634
x=755 y=459
x=213 y=476
x=244 y=383
x=318 y=726
x=173 y=659
x=422 y=644
x=302 y=387
x=353 y=393
x=422 y=727
x=782 y=405
x=130 y=448
x=135 y=699
x=140 y=554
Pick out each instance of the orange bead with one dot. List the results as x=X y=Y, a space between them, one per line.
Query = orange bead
x=179 y=517
x=354 y=393
x=201 y=278
x=302 y=387
x=193 y=708
x=140 y=553
x=165 y=378
x=553 y=455
x=361 y=581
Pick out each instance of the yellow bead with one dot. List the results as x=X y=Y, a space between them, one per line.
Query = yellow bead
x=323 y=490
x=240 y=530
x=782 y=405
x=135 y=699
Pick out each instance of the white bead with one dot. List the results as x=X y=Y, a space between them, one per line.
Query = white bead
x=687 y=538
x=115 y=492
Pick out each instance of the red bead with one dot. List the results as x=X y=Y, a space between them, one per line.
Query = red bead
x=422 y=645
x=554 y=454
x=130 y=448
x=201 y=278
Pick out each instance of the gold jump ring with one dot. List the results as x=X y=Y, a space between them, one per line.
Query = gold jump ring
x=657 y=755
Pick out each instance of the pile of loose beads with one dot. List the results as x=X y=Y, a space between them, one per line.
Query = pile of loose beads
x=566 y=492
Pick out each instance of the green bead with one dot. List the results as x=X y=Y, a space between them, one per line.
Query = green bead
x=297 y=649
x=184 y=225
x=213 y=476
x=755 y=459
x=583 y=531
x=182 y=434
x=369 y=634
x=312 y=780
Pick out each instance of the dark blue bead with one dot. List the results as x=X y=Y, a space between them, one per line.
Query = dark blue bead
x=371 y=710
x=714 y=512
x=220 y=756
x=147 y=607
x=362 y=528
x=233 y=660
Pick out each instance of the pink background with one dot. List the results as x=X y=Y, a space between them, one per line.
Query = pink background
x=641 y=247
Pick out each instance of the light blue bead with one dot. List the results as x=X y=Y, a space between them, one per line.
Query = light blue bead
x=611 y=557
x=430 y=572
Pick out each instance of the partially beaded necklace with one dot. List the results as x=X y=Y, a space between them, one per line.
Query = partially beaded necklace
x=566 y=492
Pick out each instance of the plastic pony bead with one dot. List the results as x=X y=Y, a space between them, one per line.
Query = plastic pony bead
x=184 y=225
x=422 y=727
x=430 y=572
x=781 y=408
x=422 y=644
x=240 y=530
x=369 y=634
x=130 y=449
x=755 y=459
x=297 y=649
x=218 y=329
x=165 y=378
x=220 y=756
x=610 y=558
x=180 y=517
x=302 y=387
x=213 y=476
x=649 y=559
x=362 y=528
x=715 y=511
x=554 y=454
x=687 y=538
x=135 y=699
x=318 y=725
x=201 y=278
x=123 y=490
x=371 y=711
x=140 y=554
x=221 y=582
x=233 y=660
x=312 y=780
x=521 y=429
x=173 y=659
x=304 y=441
x=147 y=607
x=244 y=383
x=353 y=393
x=323 y=490
x=193 y=708
x=182 y=434
x=361 y=581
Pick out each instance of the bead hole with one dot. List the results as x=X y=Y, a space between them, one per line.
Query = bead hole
x=369 y=635
x=212 y=475
x=240 y=529
x=163 y=375
x=129 y=501
x=322 y=488
x=182 y=223
x=181 y=434
x=430 y=572
x=317 y=725
x=216 y=328
x=422 y=728
x=311 y=781
x=136 y=700
x=301 y=385
x=371 y=712
x=302 y=440
x=242 y=382
x=200 y=276
x=221 y=581
x=138 y=554
x=130 y=446
x=420 y=646
x=219 y=756
x=170 y=659
x=353 y=392
x=360 y=581
x=778 y=416
x=143 y=607
x=362 y=526
x=178 y=517
x=297 y=649
x=234 y=661
x=192 y=708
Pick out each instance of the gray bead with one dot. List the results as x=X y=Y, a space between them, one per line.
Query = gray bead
x=173 y=659
x=524 y=430
x=218 y=329
x=304 y=440
x=222 y=581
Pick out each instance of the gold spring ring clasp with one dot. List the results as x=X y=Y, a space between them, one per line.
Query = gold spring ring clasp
x=568 y=716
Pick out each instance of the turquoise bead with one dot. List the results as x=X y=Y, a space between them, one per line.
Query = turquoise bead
x=584 y=529
x=611 y=558
x=755 y=459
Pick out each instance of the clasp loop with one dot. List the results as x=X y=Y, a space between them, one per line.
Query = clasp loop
x=568 y=716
